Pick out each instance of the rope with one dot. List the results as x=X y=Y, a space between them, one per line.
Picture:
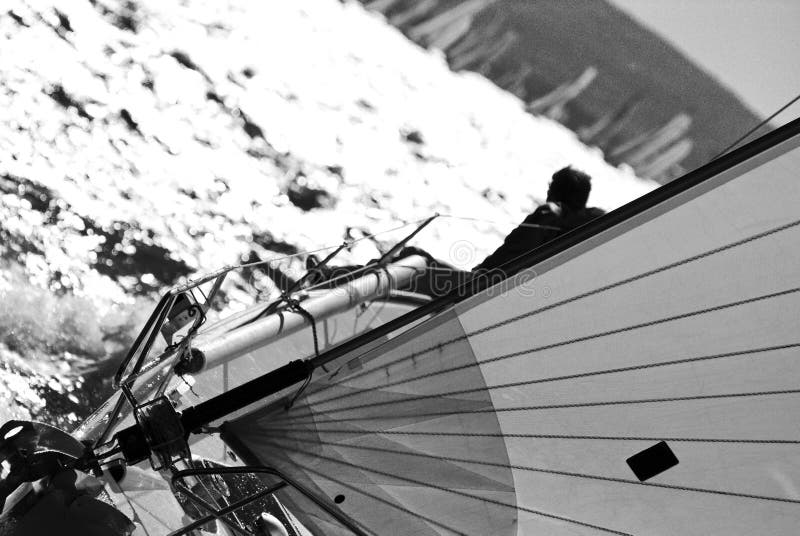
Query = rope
x=379 y=233
x=325 y=248
x=505 y=224
x=299 y=392
x=295 y=306
x=350 y=243
x=758 y=126
x=386 y=231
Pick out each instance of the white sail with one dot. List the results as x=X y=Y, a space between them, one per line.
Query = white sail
x=516 y=411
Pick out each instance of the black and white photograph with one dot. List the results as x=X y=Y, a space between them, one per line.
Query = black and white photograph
x=399 y=267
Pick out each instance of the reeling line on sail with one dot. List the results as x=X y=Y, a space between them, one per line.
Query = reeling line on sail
x=559 y=344
x=491 y=409
x=581 y=296
x=288 y=447
x=319 y=456
x=414 y=398
x=317 y=430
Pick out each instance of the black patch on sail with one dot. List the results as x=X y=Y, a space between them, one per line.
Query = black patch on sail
x=652 y=461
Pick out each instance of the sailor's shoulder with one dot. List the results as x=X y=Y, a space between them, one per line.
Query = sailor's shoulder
x=548 y=209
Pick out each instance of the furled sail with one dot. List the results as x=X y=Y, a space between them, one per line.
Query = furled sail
x=642 y=380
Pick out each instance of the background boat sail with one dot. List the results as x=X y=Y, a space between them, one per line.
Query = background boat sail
x=638 y=376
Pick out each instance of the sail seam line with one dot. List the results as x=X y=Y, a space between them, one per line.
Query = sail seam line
x=552 y=406
x=317 y=431
x=552 y=379
x=452 y=491
x=590 y=293
x=560 y=473
x=567 y=342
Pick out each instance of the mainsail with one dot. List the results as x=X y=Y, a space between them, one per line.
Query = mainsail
x=670 y=324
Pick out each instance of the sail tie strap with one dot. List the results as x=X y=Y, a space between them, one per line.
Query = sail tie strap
x=294 y=305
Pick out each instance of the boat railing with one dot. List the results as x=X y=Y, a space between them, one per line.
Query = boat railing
x=184 y=298
x=283 y=481
x=194 y=310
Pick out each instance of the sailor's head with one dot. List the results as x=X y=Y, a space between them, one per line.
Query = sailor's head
x=570 y=187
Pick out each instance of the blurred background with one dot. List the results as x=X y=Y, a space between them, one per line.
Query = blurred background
x=144 y=142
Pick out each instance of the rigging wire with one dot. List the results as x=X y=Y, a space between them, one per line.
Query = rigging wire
x=325 y=248
x=758 y=126
x=372 y=236
x=508 y=224
x=379 y=233
x=386 y=231
x=153 y=363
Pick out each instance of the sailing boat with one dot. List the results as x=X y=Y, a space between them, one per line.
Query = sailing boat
x=639 y=375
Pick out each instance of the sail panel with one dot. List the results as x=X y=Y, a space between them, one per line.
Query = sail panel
x=394 y=483
x=516 y=411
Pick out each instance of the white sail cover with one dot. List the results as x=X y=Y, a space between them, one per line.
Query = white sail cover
x=515 y=411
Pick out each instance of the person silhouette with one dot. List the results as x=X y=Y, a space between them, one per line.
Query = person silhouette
x=564 y=210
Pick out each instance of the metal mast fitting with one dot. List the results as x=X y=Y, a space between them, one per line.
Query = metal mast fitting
x=161 y=433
